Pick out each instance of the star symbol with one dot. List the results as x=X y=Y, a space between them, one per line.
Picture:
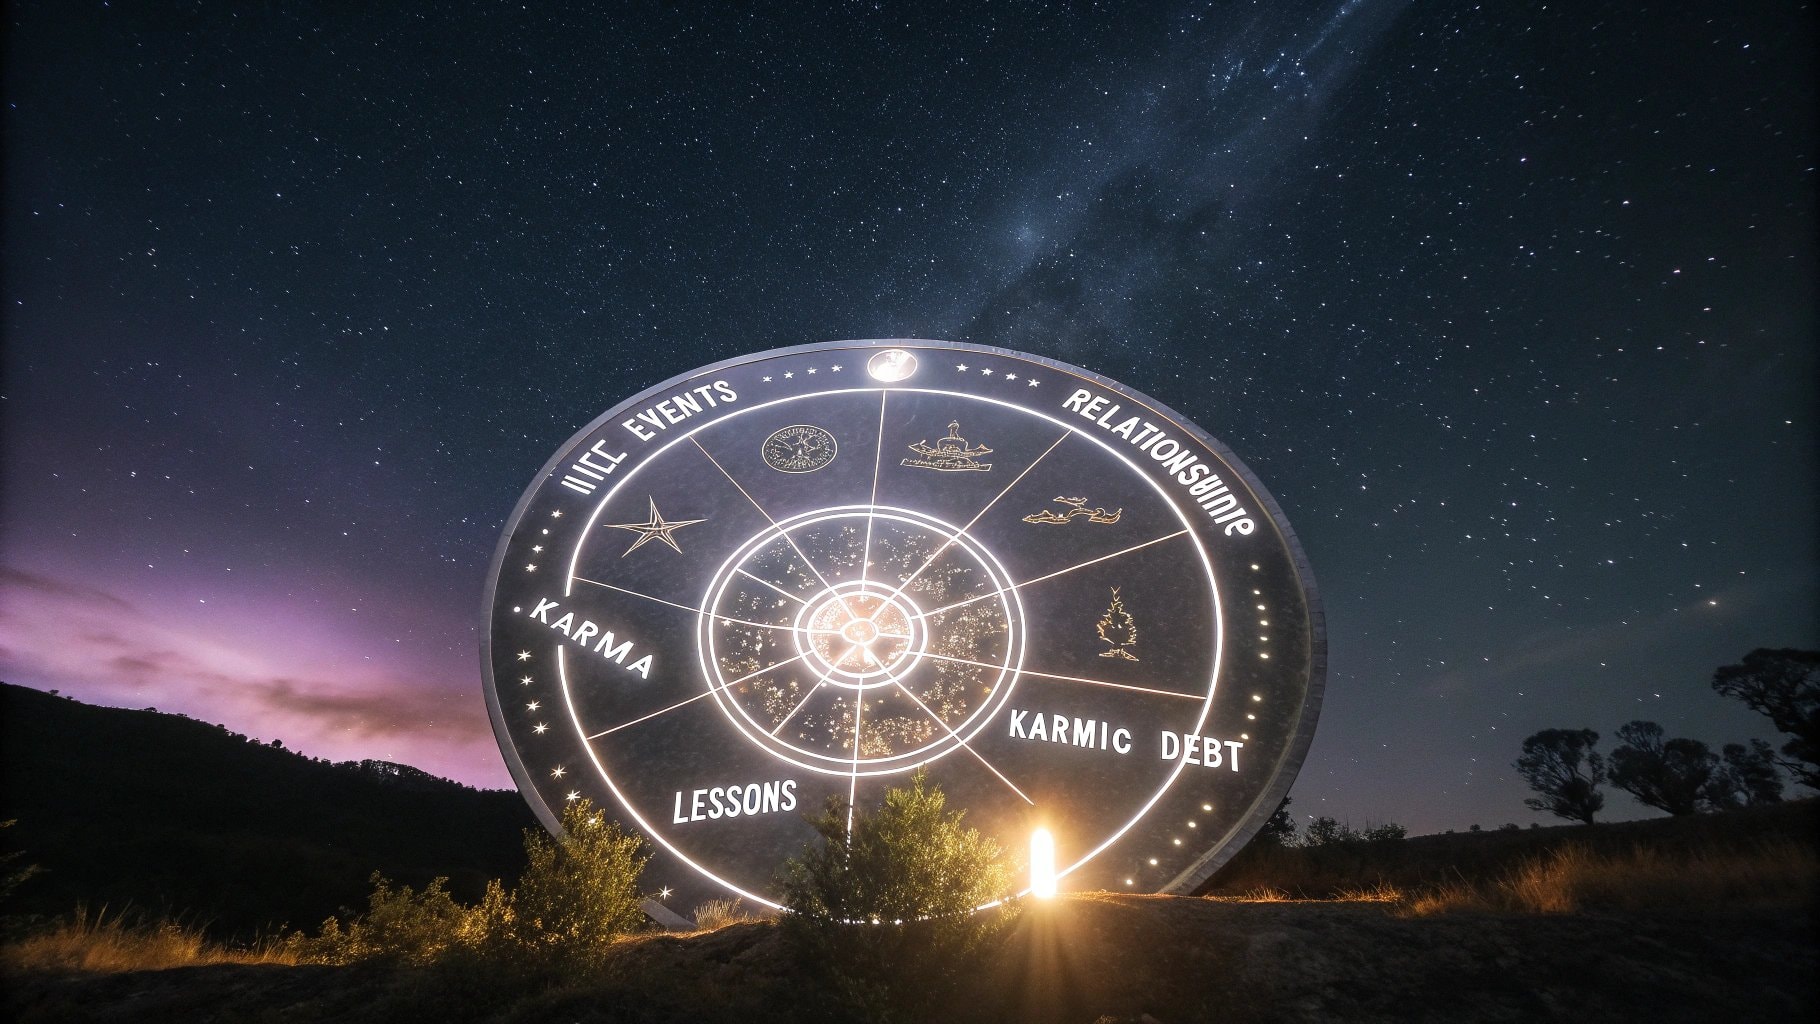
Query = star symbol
x=835 y=368
x=1010 y=376
x=524 y=655
x=556 y=514
x=533 y=706
x=526 y=681
x=536 y=547
x=530 y=568
x=664 y=893
x=540 y=728
x=811 y=369
x=787 y=376
x=985 y=371
x=1032 y=383
x=657 y=527
x=574 y=794
x=961 y=367
x=767 y=380
x=558 y=772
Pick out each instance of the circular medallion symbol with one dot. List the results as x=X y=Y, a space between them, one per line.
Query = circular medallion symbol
x=1073 y=609
x=800 y=448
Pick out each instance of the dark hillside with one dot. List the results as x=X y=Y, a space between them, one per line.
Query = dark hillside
x=1419 y=862
x=165 y=813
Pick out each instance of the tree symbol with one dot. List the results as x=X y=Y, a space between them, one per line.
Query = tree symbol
x=1117 y=629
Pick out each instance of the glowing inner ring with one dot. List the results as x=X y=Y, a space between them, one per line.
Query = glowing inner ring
x=810 y=651
x=860 y=635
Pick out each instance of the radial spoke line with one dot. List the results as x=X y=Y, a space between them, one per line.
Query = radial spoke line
x=1072 y=679
x=684 y=607
x=927 y=562
x=705 y=693
x=772 y=585
x=859 y=710
x=842 y=598
x=799 y=706
x=878 y=459
x=956 y=737
x=1046 y=576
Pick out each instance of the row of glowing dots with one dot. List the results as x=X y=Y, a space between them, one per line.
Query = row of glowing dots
x=1250 y=716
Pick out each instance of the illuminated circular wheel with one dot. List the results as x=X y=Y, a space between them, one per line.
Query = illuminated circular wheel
x=791 y=578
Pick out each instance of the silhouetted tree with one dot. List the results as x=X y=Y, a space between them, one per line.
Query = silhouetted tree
x=1785 y=686
x=1324 y=831
x=1747 y=777
x=1564 y=769
x=1279 y=830
x=1670 y=775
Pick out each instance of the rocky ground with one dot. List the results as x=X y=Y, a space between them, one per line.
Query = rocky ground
x=1084 y=958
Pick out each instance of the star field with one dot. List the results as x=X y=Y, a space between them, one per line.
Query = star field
x=1511 y=308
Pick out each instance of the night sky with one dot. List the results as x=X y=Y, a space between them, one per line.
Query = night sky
x=1511 y=307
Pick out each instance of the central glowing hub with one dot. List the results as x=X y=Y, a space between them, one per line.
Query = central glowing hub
x=864 y=637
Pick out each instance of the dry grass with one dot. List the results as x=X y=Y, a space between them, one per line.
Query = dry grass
x=1381 y=892
x=1573 y=878
x=1260 y=894
x=716 y=914
x=122 y=942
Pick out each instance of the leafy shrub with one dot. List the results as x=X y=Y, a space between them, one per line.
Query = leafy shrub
x=578 y=893
x=399 y=925
x=885 y=901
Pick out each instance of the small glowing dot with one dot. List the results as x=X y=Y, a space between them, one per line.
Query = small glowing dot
x=1257 y=696
x=1254 y=567
x=1193 y=825
x=1177 y=842
x=1263 y=622
x=1263 y=654
x=1251 y=718
x=1153 y=862
x=1260 y=607
x=1206 y=807
x=1244 y=735
x=1130 y=881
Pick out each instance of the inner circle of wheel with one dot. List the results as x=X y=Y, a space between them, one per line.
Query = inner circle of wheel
x=906 y=638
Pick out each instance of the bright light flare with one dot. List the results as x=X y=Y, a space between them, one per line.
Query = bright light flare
x=1042 y=864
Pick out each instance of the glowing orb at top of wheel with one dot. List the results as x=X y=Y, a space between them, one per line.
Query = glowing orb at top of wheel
x=793 y=577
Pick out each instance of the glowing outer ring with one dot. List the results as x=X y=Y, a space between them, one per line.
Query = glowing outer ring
x=659 y=837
